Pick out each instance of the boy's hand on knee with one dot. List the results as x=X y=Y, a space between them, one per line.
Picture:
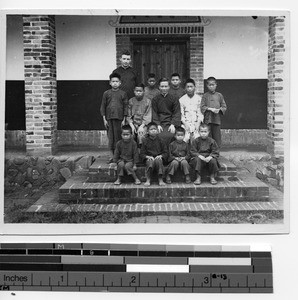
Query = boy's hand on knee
x=134 y=167
x=159 y=128
x=201 y=157
x=172 y=128
x=207 y=159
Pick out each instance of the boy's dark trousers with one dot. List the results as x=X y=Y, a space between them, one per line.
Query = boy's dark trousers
x=114 y=132
x=199 y=165
x=124 y=166
x=166 y=135
x=215 y=133
x=155 y=164
x=174 y=165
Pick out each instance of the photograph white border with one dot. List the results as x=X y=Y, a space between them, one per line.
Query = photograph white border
x=193 y=228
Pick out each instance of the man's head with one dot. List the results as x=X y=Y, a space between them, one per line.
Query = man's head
x=125 y=59
x=190 y=87
x=204 y=130
x=152 y=129
x=115 y=81
x=126 y=133
x=151 y=80
x=139 y=90
x=164 y=85
x=175 y=80
x=180 y=134
x=211 y=84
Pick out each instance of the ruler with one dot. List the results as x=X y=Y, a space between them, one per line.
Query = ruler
x=135 y=268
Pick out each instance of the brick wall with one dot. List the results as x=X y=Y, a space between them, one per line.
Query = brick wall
x=40 y=84
x=276 y=92
x=197 y=60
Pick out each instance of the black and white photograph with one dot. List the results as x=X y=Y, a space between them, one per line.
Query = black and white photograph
x=153 y=121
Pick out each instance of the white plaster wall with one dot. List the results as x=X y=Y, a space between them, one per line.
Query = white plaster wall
x=236 y=48
x=14 y=48
x=86 y=47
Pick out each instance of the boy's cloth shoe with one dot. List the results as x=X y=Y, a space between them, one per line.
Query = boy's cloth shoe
x=137 y=181
x=110 y=160
x=198 y=180
x=213 y=181
x=117 y=182
x=147 y=183
x=187 y=179
x=168 y=179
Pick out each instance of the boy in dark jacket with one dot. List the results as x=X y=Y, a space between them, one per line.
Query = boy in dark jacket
x=204 y=152
x=178 y=156
x=154 y=153
x=126 y=156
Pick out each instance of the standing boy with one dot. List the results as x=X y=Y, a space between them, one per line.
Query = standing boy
x=204 y=153
x=176 y=90
x=154 y=153
x=178 y=156
x=114 y=111
x=129 y=76
x=166 y=111
x=151 y=90
x=126 y=156
x=213 y=106
x=191 y=115
x=139 y=112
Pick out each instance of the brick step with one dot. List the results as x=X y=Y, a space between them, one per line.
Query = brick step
x=78 y=190
x=170 y=209
x=100 y=171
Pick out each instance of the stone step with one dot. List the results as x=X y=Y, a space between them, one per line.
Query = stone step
x=78 y=190
x=100 y=171
x=170 y=209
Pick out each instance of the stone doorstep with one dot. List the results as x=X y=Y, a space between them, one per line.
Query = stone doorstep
x=100 y=171
x=140 y=209
x=77 y=189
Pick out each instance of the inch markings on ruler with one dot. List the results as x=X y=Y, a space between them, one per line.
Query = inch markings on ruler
x=135 y=268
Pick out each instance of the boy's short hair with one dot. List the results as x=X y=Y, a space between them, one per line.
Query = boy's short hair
x=151 y=124
x=190 y=80
x=211 y=79
x=175 y=75
x=125 y=52
x=180 y=129
x=140 y=85
x=151 y=75
x=163 y=80
x=204 y=125
x=115 y=75
x=126 y=127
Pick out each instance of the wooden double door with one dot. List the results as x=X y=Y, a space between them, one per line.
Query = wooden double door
x=161 y=56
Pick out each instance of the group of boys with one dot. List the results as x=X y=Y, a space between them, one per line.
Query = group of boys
x=161 y=126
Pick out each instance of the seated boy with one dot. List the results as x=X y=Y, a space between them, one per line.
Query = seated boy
x=178 y=156
x=151 y=90
x=139 y=112
x=204 y=152
x=126 y=156
x=154 y=153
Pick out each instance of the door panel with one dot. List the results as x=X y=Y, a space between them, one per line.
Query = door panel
x=162 y=58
